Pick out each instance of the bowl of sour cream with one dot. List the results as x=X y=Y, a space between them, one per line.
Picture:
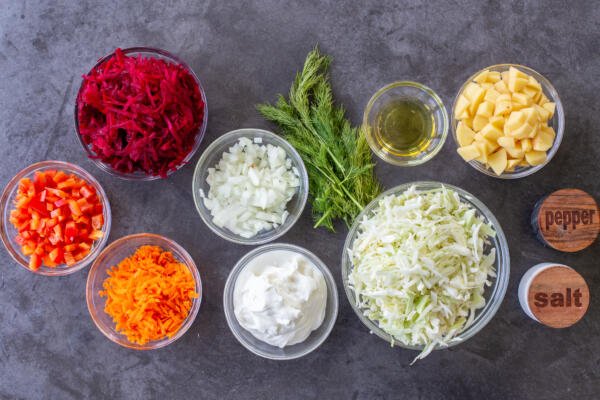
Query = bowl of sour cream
x=280 y=301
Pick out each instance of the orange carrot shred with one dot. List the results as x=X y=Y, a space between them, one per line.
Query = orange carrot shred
x=149 y=295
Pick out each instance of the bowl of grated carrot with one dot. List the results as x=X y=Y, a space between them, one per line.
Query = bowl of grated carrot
x=144 y=291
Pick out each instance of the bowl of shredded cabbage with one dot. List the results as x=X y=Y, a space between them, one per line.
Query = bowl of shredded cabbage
x=425 y=266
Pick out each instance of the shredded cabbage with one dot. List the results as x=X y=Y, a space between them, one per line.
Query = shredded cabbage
x=420 y=266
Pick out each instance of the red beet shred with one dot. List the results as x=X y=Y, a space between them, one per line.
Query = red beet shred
x=139 y=114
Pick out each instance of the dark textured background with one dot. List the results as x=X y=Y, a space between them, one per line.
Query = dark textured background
x=246 y=53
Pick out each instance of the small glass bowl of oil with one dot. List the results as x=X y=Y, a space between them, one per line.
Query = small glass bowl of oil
x=405 y=123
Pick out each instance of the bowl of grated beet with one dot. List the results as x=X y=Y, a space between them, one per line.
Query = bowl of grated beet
x=140 y=113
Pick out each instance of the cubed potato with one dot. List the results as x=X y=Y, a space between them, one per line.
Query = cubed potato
x=523 y=131
x=482 y=76
x=491 y=95
x=530 y=92
x=493 y=76
x=543 y=100
x=531 y=115
x=526 y=145
x=485 y=109
x=535 y=157
x=504 y=76
x=522 y=99
x=543 y=114
x=462 y=106
x=507 y=141
x=550 y=106
x=498 y=161
x=464 y=134
x=490 y=145
x=534 y=131
x=501 y=87
x=550 y=130
x=474 y=93
x=515 y=152
x=479 y=122
x=516 y=79
x=498 y=121
x=468 y=122
x=483 y=152
x=491 y=132
x=515 y=120
x=543 y=141
x=534 y=84
x=511 y=164
x=469 y=152
x=487 y=85
x=503 y=107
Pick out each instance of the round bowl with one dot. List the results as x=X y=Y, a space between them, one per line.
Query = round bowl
x=557 y=122
x=406 y=90
x=8 y=231
x=493 y=295
x=211 y=157
x=148 y=52
x=111 y=256
x=260 y=348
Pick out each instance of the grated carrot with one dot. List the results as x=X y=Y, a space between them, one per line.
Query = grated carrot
x=149 y=295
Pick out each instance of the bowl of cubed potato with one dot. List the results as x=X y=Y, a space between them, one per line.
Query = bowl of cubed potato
x=507 y=121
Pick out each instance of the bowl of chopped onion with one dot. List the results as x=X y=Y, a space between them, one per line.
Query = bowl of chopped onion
x=425 y=266
x=250 y=186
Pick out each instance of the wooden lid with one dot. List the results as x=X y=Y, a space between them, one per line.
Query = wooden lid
x=568 y=220
x=558 y=296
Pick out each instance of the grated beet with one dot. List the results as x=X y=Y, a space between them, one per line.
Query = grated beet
x=140 y=113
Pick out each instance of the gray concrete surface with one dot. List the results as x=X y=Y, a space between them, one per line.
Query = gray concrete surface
x=245 y=53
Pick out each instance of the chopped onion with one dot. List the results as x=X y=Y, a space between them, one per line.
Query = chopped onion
x=250 y=187
x=420 y=266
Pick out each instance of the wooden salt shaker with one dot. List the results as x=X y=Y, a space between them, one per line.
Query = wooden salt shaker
x=554 y=295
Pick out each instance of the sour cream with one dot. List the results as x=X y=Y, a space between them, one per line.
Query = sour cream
x=280 y=297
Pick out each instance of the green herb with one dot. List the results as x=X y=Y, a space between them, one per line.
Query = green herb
x=336 y=155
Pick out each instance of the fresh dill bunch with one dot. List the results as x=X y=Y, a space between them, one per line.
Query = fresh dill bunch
x=336 y=155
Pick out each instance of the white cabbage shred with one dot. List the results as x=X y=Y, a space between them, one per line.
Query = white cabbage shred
x=250 y=187
x=419 y=266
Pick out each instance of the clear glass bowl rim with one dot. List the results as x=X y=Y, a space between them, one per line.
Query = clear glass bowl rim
x=6 y=202
x=499 y=287
x=168 y=245
x=548 y=89
x=442 y=130
x=331 y=292
x=201 y=167
x=140 y=176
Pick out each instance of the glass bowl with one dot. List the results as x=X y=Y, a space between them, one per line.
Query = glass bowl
x=493 y=295
x=112 y=255
x=260 y=348
x=8 y=231
x=406 y=90
x=211 y=157
x=148 y=52
x=557 y=122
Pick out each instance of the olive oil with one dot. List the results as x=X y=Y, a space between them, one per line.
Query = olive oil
x=404 y=127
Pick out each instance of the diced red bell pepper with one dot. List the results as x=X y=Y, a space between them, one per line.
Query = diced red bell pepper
x=35 y=262
x=97 y=221
x=69 y=259
x=87 y=191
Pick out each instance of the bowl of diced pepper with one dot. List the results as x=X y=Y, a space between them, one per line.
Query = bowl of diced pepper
x=140 y=113
x=55 y=218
